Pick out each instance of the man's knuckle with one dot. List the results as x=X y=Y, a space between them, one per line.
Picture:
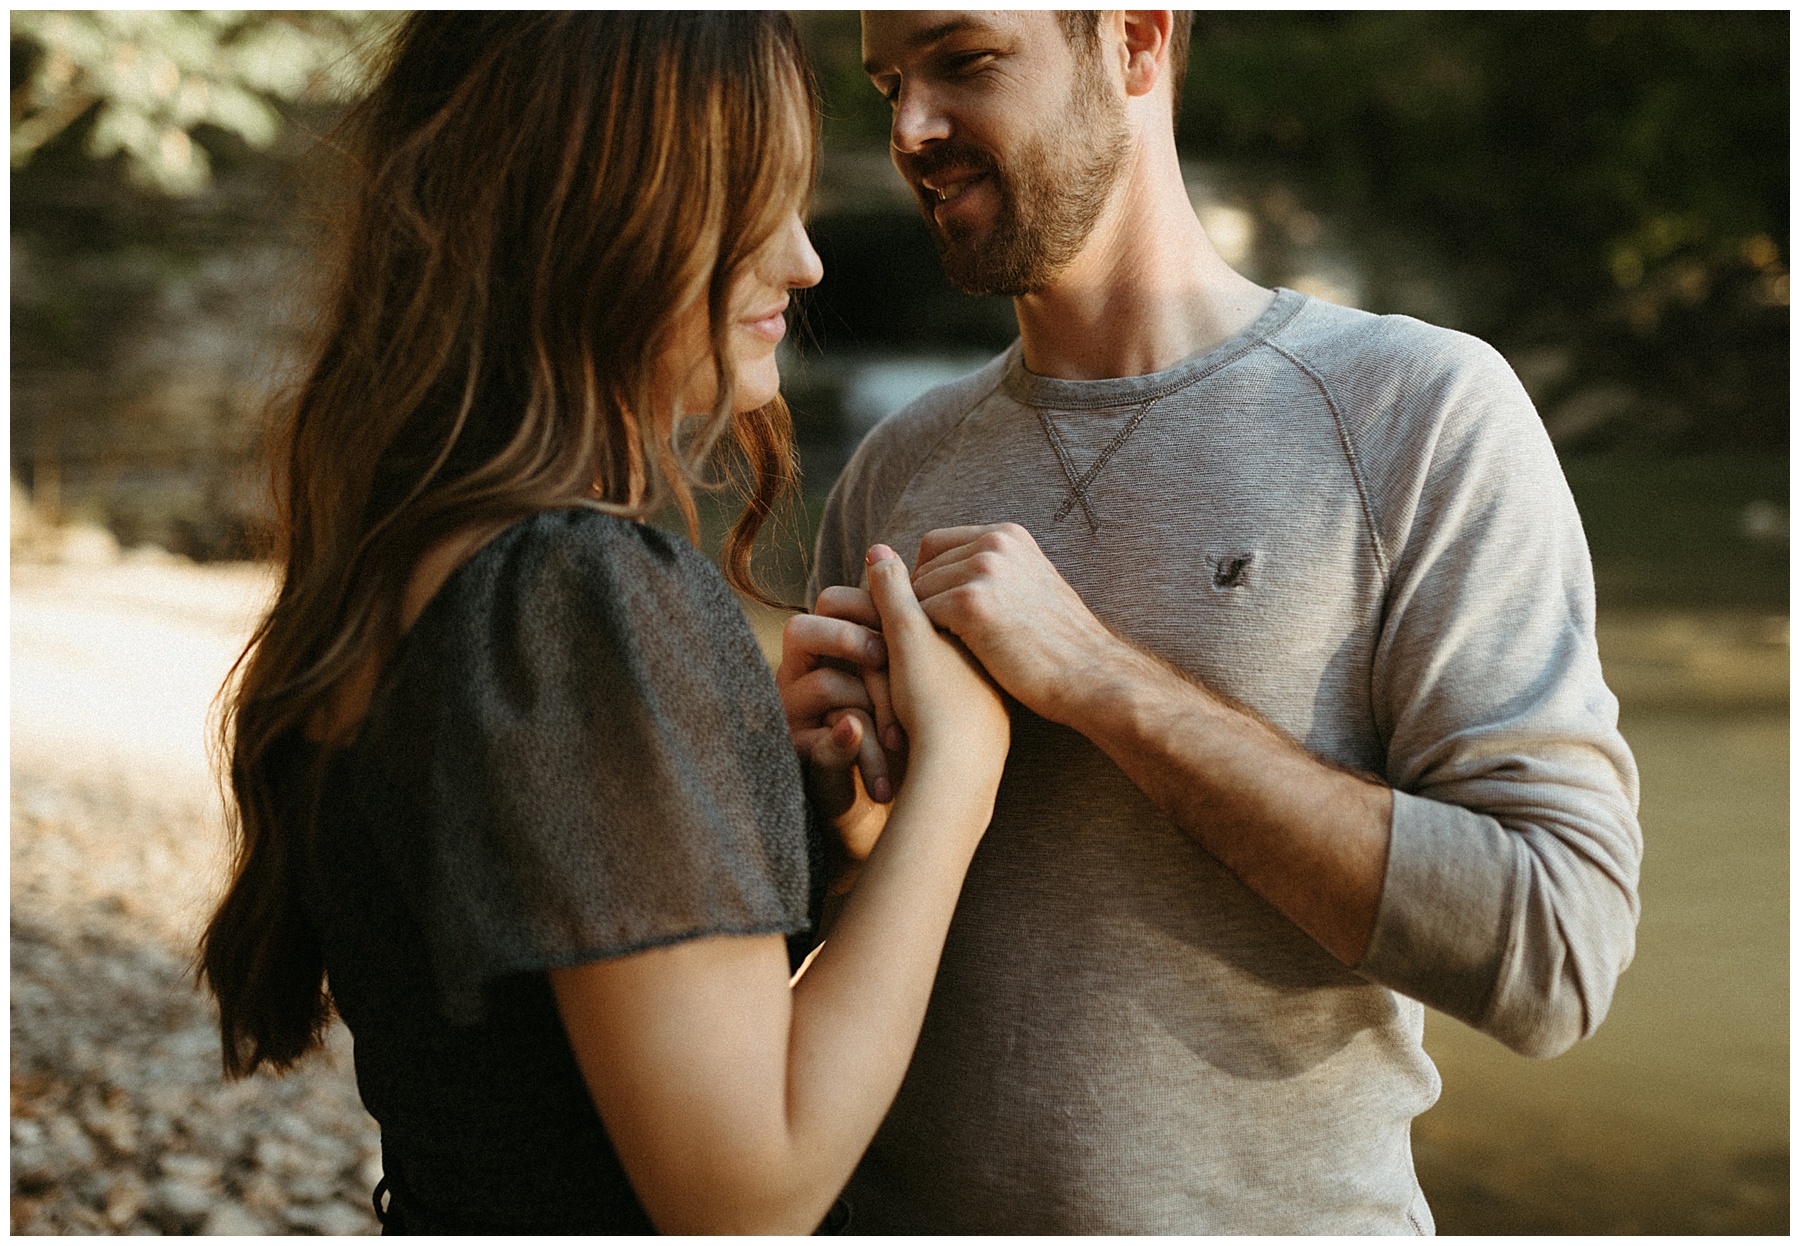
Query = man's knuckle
x=960 y=602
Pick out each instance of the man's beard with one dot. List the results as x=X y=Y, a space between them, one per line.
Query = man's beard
x=1051 y=195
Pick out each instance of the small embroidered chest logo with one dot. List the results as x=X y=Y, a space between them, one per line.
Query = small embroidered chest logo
x=1230 y=571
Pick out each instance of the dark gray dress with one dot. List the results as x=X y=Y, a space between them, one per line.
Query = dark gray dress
x=576 y=752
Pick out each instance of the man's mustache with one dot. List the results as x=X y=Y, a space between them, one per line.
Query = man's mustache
x=945 y=156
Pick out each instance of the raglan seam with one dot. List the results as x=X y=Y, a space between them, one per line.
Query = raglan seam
x=1350 y=459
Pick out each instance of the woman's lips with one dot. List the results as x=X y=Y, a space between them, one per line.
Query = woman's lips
x=771 y=325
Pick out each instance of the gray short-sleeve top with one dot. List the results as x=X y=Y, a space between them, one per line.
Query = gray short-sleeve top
x=576 y=752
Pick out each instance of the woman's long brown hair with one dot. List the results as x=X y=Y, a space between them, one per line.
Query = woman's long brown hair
x=535 y=199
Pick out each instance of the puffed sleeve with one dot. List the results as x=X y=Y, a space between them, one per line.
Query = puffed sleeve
x=578 y=753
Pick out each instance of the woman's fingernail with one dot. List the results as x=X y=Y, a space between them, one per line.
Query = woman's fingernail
x=878 y=552
x=894 y=737
x=882 y=791
x=843 y=732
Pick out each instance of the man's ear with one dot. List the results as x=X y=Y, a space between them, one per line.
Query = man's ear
x=1145 y=43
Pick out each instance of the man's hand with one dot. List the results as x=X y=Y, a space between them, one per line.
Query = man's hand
x=992 y=586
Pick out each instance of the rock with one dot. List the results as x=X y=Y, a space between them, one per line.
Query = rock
x=269 y=1154
x=124 y=1200
x=121 y=1122
x=330 y=1219
x=25 y=1213
x=86 y=1220
x=179 y=1206
x=118 y=1129
x=369 y=1172
x=196 y=1170
x=38 y=1222
x=149 y=555
x=33 y=1170
x=233 y=1220
x=263 y=1192
x=311 y=1187
x=69 y=1146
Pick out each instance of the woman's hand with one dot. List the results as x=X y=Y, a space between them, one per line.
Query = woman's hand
x=952 y=712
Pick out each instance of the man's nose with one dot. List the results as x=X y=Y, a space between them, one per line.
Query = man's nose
x=917 y=121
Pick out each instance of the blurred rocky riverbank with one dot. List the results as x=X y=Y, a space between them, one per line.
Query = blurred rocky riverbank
x=120 y=1120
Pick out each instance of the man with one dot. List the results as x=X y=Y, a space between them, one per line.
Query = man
x=1311 y=729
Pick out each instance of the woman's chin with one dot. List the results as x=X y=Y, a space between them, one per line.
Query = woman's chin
x=756 y=387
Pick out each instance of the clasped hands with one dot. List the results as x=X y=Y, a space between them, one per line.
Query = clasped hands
x=988 y=585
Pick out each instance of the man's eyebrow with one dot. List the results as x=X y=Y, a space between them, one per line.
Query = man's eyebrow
x=927 y=37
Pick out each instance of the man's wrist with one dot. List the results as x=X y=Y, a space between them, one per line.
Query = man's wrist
x=1122 y=694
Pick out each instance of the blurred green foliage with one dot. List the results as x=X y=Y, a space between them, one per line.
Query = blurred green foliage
x=1602 y=196
x=855 y=116
x=153 y=77
x=1615 y=182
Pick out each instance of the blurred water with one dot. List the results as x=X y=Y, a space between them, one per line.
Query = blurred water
x=880 y=385
x=1674 y=1117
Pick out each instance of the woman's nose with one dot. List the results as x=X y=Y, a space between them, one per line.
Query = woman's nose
x=802 y=266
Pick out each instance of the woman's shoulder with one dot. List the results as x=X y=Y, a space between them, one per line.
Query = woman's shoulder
x=582 y=562
x=583 y=538
x=577 y=603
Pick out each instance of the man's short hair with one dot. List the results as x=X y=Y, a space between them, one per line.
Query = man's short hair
x=1081 y=27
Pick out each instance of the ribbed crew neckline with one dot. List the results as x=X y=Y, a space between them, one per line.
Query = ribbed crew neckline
x=1033 y=390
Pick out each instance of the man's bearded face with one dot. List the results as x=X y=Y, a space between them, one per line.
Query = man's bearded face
x=1051 y=189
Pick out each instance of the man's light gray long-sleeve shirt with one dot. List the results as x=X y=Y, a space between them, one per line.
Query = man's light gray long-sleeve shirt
x=1357 y=526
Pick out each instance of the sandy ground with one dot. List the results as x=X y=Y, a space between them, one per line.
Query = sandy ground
x=120 y=1122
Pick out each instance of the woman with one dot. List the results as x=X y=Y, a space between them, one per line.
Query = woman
x=510 y=774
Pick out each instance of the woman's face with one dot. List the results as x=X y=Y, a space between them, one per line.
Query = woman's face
x=757 y=307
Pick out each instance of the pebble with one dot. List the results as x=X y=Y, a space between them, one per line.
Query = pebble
x=179 y=1206
x=236 y=1220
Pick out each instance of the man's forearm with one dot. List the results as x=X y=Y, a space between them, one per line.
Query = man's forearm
x=1308 y=837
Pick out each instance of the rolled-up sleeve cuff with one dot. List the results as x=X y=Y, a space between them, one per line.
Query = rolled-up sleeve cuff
x=1442 y=928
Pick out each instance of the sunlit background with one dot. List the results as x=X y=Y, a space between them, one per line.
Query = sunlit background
x=1604 y=197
